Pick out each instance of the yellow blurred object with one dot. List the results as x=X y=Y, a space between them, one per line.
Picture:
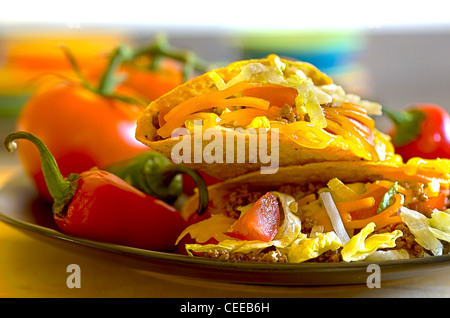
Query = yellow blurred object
x=27 y=56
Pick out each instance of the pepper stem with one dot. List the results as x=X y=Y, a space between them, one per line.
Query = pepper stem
x=170 y=171
x=407 y=125
x=60 y=189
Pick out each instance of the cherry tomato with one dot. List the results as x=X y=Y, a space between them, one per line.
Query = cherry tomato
x=81 y=128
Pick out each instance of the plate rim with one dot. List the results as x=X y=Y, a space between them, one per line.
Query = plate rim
x=217 y=264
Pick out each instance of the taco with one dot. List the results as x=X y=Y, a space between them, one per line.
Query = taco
x=311 y=118
x=325 y=212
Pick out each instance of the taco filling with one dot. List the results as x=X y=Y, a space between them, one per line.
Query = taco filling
x=279 y=96
x=330 y=221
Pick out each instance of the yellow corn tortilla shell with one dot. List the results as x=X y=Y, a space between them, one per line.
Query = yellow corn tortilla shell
x=290 y=152
x=347 y=172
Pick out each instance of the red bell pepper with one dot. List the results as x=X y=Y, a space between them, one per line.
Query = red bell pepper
x=421 y=131
x=98 y=205
x=260 y=222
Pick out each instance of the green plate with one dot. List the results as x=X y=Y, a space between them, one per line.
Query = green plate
x=21 y=208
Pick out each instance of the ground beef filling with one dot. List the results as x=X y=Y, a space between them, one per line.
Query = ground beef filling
x=243 y=196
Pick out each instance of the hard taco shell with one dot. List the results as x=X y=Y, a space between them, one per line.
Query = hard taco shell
x=290 y=152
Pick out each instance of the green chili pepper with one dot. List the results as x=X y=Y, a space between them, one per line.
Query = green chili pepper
x=388 y=198
x=157 y=176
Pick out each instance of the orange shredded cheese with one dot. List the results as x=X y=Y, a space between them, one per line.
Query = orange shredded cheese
x=176 y=117
x=382 y=219
x=244 y=117
x=192 y=105
x=349 y=206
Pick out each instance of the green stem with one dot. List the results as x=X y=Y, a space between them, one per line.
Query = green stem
x=60 y=189
x=157 y=176
x=76 y=68
x=160 y=47
x=170 y=171
x=108 y=81
x=407 y=125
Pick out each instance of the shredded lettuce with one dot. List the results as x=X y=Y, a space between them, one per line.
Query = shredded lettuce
x=232 y=246
x=440 y=220
x=310 y=98
x=291 y=226
x=275 y=60
x=440 y=225
x=339 y=96
x=428 y=231
x=387 y=255
x=229 y=245
x=305 y=249
x=441 y=235
x=258 y=72
x=362 y=245
x=419 y=225
x=341 y=192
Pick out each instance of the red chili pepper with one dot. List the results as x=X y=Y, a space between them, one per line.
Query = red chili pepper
x=421 y=131
x=98 y=205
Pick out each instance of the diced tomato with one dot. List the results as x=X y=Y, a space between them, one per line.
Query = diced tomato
x=426 y=207
x=277 y=95
x=260 y=222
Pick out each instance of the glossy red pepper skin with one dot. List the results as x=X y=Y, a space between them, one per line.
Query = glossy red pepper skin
x=431 y=140
x=106 y=208
x=98 y=205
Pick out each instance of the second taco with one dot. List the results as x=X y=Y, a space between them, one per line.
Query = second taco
x=326 y=212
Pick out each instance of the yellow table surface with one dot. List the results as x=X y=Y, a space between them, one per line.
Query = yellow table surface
x=31 y=268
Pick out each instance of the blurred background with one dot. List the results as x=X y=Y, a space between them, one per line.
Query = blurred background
x=396 y=53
